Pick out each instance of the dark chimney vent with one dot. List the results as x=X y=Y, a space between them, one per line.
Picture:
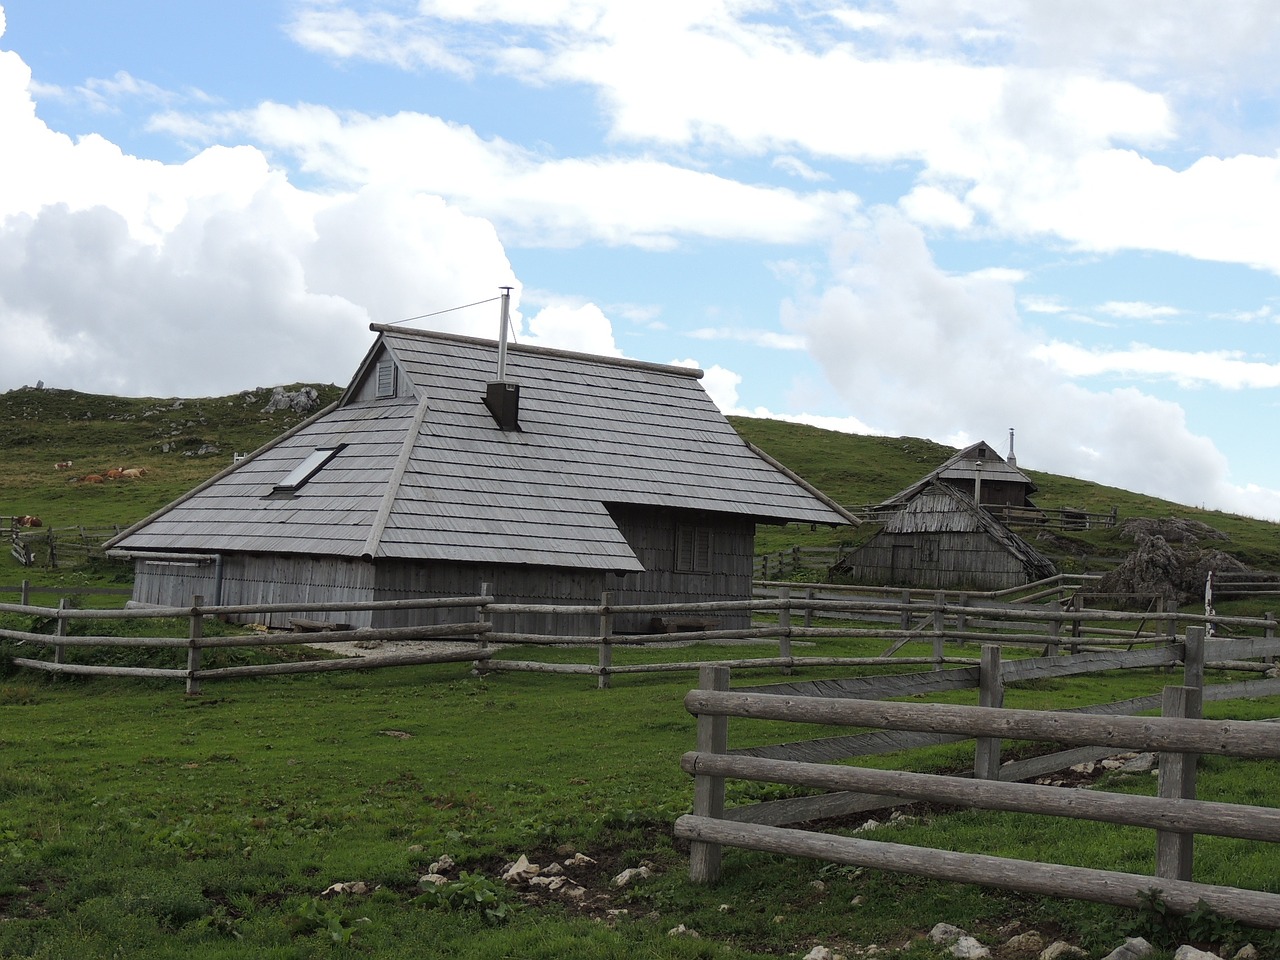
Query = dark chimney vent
x=503 y=400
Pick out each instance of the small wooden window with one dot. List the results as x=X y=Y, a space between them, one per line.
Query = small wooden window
x=693 y=549
x=386 y=374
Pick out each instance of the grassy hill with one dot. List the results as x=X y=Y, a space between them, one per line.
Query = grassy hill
x=182 y=442
x=858 y=470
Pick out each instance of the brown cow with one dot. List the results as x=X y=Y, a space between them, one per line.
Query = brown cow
x=115 y=473
x=30 y=522
x=91 y=478
x=63 y=465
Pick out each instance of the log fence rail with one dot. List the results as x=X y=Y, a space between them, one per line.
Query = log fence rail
x=1175 y=815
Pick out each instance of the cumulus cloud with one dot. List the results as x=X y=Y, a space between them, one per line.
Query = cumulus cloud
x=1028 y=118
x=922 y=352
x=129 y=276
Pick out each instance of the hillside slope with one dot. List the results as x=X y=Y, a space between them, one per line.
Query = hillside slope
x=859 y=470
x=183 y=442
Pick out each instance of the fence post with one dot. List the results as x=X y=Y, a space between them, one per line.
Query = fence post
x=195 y=633
x=939 y=621
x=1055 y=634
x=1193 y=659
x=905 y=619
x=784 y=627
x=708 y=791
x=26 y=593
x=1270 y=634
x=808 y=607
x=482 y=616
x=1177 y=781
x=962 y=619
x=1077 y=604
x=606 y=642
x=986 y=759
x=61 y=630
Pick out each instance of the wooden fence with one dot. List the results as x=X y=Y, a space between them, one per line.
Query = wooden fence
x=1057 y=518
x=1102 y=730
x=57 y=546
x=781 y=620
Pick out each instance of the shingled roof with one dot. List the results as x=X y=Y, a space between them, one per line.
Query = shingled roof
x=964 y=468
x=429 y=475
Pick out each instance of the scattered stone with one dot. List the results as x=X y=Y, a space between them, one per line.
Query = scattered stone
x=945 y=933
x=822 y=953
x=858 y=901
x=967 y=948
x=1061 y=950
x=553 y=869
x=725 y=908
x=299 y=401
x=1134 y=948
x=520 y=871
x=631 y=873
x=618 y=913
x=398 y=734
x=575 y=891
x=682 y=931
x=357 y=888
x=1247 y=952
x=432 y=880
x=578 y=860
x=869 y=826
x=819 y=886
x=1029 y=942
x=1187 y=952
x=443 y=865
x=1141 y=763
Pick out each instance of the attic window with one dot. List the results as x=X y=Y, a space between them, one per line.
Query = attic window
x=693 y=549
x=308 y=468
x=386 y=379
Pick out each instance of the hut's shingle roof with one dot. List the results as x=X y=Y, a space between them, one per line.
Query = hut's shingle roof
x=430 y=476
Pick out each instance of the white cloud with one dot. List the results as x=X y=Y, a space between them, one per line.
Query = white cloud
x=921 y=352
x=127 y=276
x=1223 y=368
x=1137 y=310
x=770 y=339
x=1031 y=114
x=933 y=207
x=534 y=199
x=566 y=326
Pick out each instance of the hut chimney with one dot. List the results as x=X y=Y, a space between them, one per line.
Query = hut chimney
x=1011 y=459
x=501 y=397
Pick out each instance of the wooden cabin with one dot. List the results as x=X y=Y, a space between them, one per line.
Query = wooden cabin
x=449 y=463
x=939 y=533
x=987 y=478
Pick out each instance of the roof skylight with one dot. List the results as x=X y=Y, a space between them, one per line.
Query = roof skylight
x=308 y=468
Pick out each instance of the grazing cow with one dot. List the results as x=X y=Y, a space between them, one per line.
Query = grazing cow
x=62 y=465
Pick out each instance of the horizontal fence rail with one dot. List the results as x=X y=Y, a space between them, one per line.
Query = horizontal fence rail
x=1176 y=816
x=1050 y=617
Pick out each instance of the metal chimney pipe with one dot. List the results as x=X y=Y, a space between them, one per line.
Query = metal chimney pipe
x=502 y=333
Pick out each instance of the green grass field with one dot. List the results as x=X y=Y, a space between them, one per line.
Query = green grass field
x=138 y=822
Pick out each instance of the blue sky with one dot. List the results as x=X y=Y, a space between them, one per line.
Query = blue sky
x=920 y=218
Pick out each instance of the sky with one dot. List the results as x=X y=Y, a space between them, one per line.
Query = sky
x=916 y=218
